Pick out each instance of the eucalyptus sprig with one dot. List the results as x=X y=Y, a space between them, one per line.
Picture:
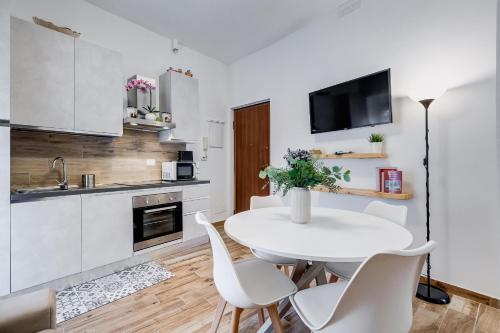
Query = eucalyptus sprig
x=305 y=172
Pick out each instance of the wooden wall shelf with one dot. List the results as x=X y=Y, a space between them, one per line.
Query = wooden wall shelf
x=350 y=156
x=368 y=193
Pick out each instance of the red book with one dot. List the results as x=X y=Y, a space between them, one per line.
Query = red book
x=381 y=177
x=393 y=182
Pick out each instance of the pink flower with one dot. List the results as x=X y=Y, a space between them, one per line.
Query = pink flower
x=140 y=84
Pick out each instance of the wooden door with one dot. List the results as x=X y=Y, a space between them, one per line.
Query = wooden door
x=251 y=153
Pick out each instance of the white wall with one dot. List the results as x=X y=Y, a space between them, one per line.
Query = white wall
x=149 y=54
x=425 y=43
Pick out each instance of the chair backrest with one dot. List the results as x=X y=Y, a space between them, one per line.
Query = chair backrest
x=379 y=296
x=225 y=276
x=265 y=202
x=383 y=210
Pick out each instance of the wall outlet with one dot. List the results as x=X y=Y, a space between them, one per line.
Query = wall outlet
x=150 y=162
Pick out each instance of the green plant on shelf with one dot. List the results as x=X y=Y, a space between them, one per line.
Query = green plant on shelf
x=376 y=137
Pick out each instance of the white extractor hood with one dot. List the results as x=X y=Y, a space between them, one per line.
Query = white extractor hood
x=168 y=136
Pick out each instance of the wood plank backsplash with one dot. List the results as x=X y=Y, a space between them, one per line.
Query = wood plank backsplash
x=112 y=160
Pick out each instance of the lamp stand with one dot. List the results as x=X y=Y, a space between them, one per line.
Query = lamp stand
x=425 y=291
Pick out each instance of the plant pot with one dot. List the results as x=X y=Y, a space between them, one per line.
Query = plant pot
x=300 y=205
x=377 y=147
x=131 y=112
x=150 y=116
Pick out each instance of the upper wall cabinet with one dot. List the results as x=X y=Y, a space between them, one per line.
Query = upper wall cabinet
x=4 y=62
x=179 y=96
x=42 y=77
x=60 y=83
x=98 y=89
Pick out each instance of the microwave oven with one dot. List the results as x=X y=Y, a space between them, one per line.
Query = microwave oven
x=176 y=170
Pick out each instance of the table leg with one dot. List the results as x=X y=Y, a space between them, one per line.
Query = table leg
x=298 y=270
x=302 y=279
x=321 y=278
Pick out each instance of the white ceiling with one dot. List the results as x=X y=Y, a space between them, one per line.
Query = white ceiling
x=223 y=29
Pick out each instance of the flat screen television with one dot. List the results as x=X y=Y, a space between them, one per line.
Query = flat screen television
x=361 y=102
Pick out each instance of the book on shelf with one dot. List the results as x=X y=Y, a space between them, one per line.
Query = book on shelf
x=393 y=182
x=381 y=176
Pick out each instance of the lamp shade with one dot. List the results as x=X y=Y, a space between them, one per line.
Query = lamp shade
x=427 y=92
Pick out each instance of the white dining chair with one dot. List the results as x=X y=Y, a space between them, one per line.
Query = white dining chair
x=378 y=298
x=246 y=284
x=396 y=214
x=257 y=202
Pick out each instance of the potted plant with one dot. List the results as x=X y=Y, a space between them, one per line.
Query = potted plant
x=376 y=142
x=300 y=175
x=144 y=86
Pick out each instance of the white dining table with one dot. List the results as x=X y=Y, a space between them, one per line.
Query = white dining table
x=332 y=235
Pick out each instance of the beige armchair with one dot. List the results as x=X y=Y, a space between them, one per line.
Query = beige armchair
x=33 y=312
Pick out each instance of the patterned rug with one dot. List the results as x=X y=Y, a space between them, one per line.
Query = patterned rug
x=87 y=296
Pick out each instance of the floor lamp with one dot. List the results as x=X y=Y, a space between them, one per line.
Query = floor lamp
x=426 y=291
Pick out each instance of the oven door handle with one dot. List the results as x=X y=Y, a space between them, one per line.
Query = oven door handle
x=154 y=210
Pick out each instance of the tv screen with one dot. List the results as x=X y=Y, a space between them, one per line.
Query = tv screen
x=365 y=101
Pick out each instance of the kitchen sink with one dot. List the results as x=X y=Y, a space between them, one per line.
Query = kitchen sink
x=44 y=189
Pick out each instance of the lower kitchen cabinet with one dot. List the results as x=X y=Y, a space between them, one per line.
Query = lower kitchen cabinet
x=107 y=229
x=195 y=199
x=45 y=241
x=191 y=228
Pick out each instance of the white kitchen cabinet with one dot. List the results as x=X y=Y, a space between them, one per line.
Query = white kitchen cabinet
x=4 y=210
x=193 y=206
x=98 y=89
x=191 y=228
x=196 y=191
x=107 y=229
x=179 y=96
x=5 y=60
x=45 y=240
x=42 y=77
x=196 y=198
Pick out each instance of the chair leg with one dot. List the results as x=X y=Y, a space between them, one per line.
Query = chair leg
x=235 y=322
x=285 y=269
x=219 y=312
x=275 y=318
x=262 y=319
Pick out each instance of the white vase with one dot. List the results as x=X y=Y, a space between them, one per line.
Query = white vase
x=301 y=205
x=377 y=147
x=150 y=116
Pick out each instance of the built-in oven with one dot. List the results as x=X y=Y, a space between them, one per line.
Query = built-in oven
x=157 y=219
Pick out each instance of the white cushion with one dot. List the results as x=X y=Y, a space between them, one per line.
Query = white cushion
x=315 y=305
x=262 y=282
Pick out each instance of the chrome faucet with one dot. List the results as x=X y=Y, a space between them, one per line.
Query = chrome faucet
x=63 y=184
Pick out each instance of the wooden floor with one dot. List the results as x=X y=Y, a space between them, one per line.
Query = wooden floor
x=186 y=303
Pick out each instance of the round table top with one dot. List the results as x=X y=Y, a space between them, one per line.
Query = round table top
x=332 y=235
